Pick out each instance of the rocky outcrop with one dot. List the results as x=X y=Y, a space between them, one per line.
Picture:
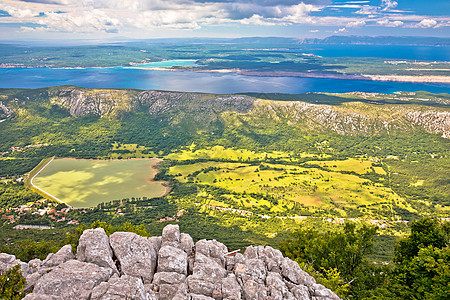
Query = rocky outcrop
x=94 y=247
x=128 y=266
x=5 y=111
x=199 y=111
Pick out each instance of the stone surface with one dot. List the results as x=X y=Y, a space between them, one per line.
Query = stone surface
x=208 y=268
x=34 y=265
x=55 y=259
x=292 y=271
x=230 y=288
x=170 y=236
x=93 y=247
x=8 y=261
x=212 y=249
x=136 y=255
x=171 y=259
x=186 y=243
x=184 y=271
x=72 y=280
x=125 y=287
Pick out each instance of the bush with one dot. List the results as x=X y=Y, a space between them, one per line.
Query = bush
x=12 y=284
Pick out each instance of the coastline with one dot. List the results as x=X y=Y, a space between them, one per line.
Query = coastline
x=339 y=76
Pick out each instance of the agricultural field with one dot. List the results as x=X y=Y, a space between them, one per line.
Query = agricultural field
x=86 y=183
x=279 y=188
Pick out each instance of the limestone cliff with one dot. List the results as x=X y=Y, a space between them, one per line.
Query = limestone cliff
x=127 y=266
x=201 y=110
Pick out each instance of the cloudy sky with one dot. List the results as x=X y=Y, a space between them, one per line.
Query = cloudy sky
x=104 y=19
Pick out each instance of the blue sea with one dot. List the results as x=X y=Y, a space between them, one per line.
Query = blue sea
x=136 y=78
x=143 y=77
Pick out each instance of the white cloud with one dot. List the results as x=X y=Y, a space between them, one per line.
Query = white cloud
x=146 y=16
x=367 y=10
x=388 y=23
x=427 y=23
x=388 y=4
x=314 y=31
x=357 y=23
x=17 y=12
x=341 y=30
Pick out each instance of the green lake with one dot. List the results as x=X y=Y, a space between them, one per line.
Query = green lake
x=86 y=183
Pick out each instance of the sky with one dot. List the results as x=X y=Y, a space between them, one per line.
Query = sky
x=142 y=19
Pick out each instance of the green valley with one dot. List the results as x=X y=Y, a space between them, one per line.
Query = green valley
x=255 y=166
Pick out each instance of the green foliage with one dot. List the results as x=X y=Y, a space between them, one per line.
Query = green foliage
x=11 y=284
x=425 y=232
x=13 y=194
x=28 y=249
x=331 y=278
x=339 y=256
x=423 y=262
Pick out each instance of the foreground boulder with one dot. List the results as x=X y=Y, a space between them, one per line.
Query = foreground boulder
x=128 y=266
x=94 y=247
x=136 y=254
x=71 y=280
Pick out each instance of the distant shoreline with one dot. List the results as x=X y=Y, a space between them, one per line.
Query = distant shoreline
x=363 y=77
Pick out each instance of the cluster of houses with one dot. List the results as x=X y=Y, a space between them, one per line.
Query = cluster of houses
x=13 y=215
x=18 y=149
x=241 y=212
x=173 y=218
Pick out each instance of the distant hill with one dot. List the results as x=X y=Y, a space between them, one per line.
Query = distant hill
x=380 y=40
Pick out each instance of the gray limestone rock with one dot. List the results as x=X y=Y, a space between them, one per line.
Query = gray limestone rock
x=125 y=287
x=254 y=291
x=230 y=288
x=156 y=242
x=42 y=297
x=208 y=268
x=253 y=269
x=55 y=259
x=34 y=265
x=273 y=259
x=8 y=261
x=171 y=259
x=170 y=236
x=276 y=287
x=94 y=247
x=186 y=243
x=212 y=249
x=31 y=281
x=200 y=297
x=320 y=292
x=292 y=271
x=166 y=284
x=301 y=292
x=199 y=285
x=171 y=278
x=72 y=280
x=136 y=254
x=261 y=273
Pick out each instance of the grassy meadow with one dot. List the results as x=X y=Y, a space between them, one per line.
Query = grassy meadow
x=86 y=183
x=279 y=187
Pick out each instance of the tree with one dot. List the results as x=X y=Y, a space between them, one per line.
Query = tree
x=343 y=252
x=12 y=284
x=423 y=262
